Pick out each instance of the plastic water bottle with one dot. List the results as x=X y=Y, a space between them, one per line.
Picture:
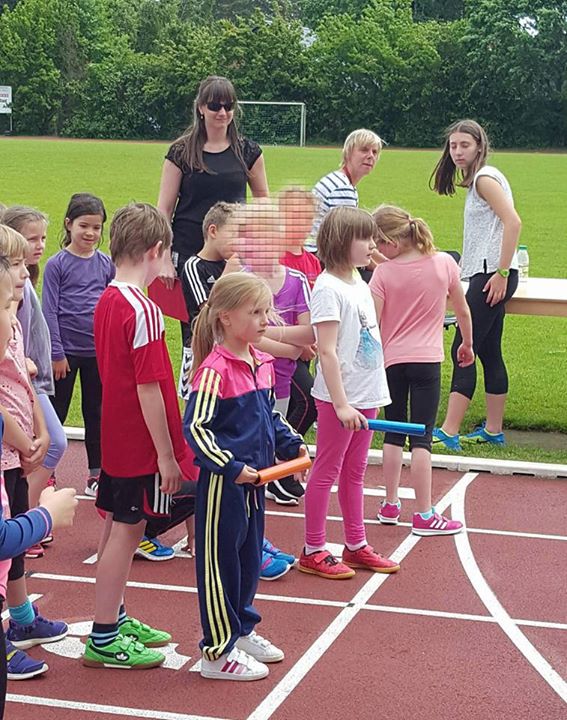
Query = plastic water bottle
x=523 y=263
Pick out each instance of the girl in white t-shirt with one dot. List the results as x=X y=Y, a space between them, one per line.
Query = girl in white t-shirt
x=410 y=295
x=491 y=232
x=350 y=385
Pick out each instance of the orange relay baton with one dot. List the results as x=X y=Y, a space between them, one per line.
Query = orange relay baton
x=276 y=472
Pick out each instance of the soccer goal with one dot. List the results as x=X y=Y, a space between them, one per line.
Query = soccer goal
x=273 y=123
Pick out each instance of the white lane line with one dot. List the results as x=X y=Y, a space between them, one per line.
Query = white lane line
x=91 y=560
x=314 y=653
x=482 y=531
x=109 y=709
x=495 y=608
x=298 y=600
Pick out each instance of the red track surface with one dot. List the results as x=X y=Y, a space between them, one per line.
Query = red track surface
x=418 y=644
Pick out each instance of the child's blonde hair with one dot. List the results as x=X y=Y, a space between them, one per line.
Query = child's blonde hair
x=339 y=228
x=135 y=229
x=229 y=293
x=12 y=244
x=397 y=226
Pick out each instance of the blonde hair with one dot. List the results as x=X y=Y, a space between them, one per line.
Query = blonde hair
x=397 y=226
x=361 y=138
x=16 y=216
x=135 y=229
x=12 y=244
x=229 y=293
x=339 y=228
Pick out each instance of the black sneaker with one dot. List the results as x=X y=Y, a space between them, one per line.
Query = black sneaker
x=286 y=491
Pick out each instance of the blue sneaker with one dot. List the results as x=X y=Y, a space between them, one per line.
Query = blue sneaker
x=451 y=442
x=152 y=549
x=21 y=666
x=481 y=435
x=272 y=568
x=40 y=632
x=275 y=552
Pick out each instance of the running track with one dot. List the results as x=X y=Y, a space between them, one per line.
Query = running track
x=473 y=626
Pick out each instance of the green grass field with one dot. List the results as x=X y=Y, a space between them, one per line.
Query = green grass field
x=44 y=173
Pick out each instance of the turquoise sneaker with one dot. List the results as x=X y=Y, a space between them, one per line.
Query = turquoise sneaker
x=152 y=549
x=278 y=554
x=481 y=435
x=451 y=442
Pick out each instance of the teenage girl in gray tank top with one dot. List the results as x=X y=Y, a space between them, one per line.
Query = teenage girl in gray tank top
x=491 y=231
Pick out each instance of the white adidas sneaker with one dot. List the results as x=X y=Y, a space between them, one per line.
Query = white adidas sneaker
x=260 y=648
x=235 y=665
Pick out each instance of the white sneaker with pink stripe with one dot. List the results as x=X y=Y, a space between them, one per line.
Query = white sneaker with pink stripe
x=261 y=649
x=435 y=525
x=235 y=665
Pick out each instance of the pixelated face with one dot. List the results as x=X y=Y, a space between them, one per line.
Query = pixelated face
x=225 y=240
x=297 y=216
x=361 y=251
x=463 y=149
x=19 y=274
x=260 y=243
x=35 y=232
x=6 y=298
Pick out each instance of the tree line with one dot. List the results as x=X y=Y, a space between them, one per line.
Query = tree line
x=130 y=68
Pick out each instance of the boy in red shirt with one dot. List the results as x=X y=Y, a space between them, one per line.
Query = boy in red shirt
x=144 y=454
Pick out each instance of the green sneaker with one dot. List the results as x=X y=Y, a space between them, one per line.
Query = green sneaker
x=122 y=653
x=148 y=636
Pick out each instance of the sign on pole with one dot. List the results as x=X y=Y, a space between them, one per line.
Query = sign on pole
x=6 y=102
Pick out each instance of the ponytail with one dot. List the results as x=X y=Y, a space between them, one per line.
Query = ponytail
x=203 y=339
x=397 y=226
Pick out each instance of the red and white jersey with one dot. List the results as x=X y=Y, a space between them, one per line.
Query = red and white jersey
x=131 y=351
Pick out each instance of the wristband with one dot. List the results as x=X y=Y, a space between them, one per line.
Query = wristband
x=503 y=272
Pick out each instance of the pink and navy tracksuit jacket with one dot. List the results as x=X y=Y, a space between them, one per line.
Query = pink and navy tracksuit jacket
x=230 y=422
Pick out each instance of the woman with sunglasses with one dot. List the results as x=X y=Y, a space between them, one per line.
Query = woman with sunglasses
x=208 y=163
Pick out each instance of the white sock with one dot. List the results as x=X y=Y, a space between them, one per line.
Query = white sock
x=354 y=548
x=310 y=549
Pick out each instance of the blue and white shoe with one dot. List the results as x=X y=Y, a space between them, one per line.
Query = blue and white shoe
x=152 y=549
x=21 y=666
x=272 y=568
x=40 y=632
x=278 y=554
x=451 y=442
x=481 y=435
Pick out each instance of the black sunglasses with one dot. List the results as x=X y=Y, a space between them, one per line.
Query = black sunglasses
x=216 y=106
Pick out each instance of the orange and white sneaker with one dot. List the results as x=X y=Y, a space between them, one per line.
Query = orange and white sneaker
x=366 y=557
x=324 y=564
x=235 y=665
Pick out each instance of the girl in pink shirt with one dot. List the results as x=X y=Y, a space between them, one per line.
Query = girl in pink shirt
x=410 y=295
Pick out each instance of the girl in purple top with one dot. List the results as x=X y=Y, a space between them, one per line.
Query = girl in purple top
x=73 y=281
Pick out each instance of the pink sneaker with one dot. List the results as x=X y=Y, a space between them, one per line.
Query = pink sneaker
x=35 y=551
x=389 y=513
x=325 y=565
x=435 y=525
x=366 y=557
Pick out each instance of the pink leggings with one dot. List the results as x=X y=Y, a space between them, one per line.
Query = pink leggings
x=341 y=455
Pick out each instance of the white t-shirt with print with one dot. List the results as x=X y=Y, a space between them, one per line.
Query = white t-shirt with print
x=359 y=346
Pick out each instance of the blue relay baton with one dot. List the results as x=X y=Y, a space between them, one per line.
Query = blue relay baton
x=396 y=427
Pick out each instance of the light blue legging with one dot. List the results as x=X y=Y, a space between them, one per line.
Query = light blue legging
x=57 y=438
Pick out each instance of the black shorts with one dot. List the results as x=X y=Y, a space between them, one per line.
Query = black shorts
x=133 y=499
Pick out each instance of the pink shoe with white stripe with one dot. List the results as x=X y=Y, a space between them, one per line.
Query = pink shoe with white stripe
x=235 y=665
x=435 y=525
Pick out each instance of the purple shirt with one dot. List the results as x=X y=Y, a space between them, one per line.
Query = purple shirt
x=292 y=300
x=72 y=286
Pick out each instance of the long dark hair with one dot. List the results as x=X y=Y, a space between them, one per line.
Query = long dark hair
x=445 y=174
x=81 y=204
x=214 y=88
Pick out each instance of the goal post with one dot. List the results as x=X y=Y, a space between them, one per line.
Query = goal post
x=273 y=123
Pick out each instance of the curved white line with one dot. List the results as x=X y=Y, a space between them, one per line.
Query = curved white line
x=494 y=607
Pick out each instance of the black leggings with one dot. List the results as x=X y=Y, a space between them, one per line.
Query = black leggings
x=421 y=383
x=91 y=398
x=488 y=326
x=302 y=412
x=17 y=491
